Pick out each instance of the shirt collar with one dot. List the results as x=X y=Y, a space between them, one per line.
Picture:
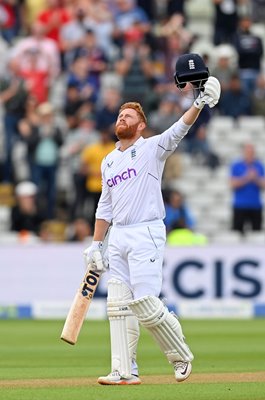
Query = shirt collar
x=137 y=143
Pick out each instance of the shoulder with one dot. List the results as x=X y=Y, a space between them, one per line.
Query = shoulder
x=108 y=160
x=259 y=162
x=152 y=140
x=141 y=14
x=236 y=163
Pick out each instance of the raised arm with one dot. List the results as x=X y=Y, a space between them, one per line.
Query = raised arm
x=190 y=116
x=210 y=96
x=170 y=139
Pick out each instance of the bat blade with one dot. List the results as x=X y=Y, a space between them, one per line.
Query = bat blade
x=80 y=306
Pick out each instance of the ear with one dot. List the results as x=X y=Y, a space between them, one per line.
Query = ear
x=142 y=126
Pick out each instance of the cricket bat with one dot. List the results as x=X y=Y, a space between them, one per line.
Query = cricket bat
x=80 y=306
x=81 y=302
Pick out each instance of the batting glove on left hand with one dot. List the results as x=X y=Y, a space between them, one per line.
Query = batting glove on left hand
x=210 y=95
x=94 y=257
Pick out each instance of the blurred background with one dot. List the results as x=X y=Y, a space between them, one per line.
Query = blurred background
x=66 y=67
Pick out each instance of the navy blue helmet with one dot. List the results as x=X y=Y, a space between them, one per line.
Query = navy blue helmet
x=191 y=68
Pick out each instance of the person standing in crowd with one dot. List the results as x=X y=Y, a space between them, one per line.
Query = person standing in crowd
x=91 y=158
x=178 y=214
x=127 y=16
x=165 y=115
x=247 y=180
x=108 y=109
x=225 y=65
x=131 y=201
x=79 y=230
x=48 y=54
x=43 y=141
x=13 y=96
x=258 y=97
x=95 y=56
x=83 y=135
x=72 y=35
x=53 y=17
x=235 y=101
x=9 y=23
x=249 y=47
x=136 y=68
x=26 y=215
x=80 y=76
x=225 y=21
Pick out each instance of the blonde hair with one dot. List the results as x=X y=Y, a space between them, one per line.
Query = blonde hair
x=137 y=107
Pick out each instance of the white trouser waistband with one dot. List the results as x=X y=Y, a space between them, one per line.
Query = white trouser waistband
x=145 y=223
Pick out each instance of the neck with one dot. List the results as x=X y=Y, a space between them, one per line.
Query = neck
x=125 y=143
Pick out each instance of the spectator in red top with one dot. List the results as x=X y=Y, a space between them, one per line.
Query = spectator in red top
x=8 y=26
x=54 y=17
x=37 y=80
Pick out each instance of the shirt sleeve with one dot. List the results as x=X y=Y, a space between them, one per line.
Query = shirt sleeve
x=104 y=209
x=169 y=140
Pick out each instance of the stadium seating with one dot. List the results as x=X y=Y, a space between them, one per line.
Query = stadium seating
x=227 y=238
x=207 y=192
x=255 y=237
x=5 y=214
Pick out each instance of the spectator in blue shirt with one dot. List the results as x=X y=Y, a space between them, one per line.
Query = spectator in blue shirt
x=128 y=14
x=247 y=182
x=80 y=76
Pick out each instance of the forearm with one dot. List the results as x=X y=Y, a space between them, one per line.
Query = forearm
x=236 y=183
x=190 y=116
x=7 y=95
x=101 y=227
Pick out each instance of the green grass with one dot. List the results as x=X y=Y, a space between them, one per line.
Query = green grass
x=33 y=350
x=244 y=391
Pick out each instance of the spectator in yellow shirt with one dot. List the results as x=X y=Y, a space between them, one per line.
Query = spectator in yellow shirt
x=91 y=158
x=185 y=237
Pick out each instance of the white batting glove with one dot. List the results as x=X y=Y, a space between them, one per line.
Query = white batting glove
x=94 y=257
x=210 y=95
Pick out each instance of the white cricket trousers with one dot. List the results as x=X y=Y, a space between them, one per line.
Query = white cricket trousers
x=136 y=256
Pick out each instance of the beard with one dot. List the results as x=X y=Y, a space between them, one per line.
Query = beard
x=123 y=131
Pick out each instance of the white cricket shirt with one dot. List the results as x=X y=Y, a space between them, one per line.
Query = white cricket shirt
x=131 y=179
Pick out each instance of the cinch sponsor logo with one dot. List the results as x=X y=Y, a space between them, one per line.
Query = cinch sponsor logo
x=129 y=173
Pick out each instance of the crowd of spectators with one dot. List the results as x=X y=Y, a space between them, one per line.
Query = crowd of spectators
x=104 y=53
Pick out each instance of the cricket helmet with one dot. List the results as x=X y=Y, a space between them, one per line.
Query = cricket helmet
x=190 y=68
